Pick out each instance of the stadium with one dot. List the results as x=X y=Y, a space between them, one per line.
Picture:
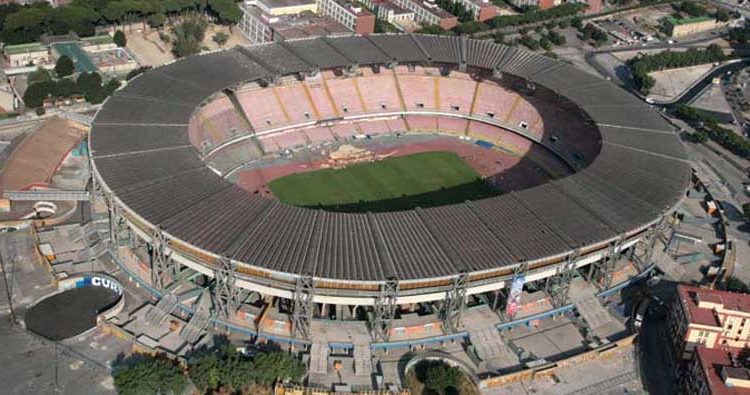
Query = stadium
x=517 y=168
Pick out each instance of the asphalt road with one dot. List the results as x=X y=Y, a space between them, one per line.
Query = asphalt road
x=658 y=369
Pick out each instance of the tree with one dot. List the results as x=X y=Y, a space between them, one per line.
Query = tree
x=35 y=94
x=144 y=374
x=38 y=75
x=188 y=37
x=156 y=20
x=227 y=11
x=545 y=43
x=120 y=39
x=736 y=285
x=66 y=88
x=64 y=66
x=438 y=376
x=277 y=365
x=89 y=83
x=746 y=210
x=223 y=368
x=220 y=38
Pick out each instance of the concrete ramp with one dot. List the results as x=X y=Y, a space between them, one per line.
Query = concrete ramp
x=591 y=310
x=319 y=358
x=488 y=344
x=362 y=359
x=667 y=264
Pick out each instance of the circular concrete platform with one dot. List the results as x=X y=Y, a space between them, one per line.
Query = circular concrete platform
x=70 y=312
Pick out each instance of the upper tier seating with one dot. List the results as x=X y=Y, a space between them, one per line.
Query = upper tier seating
x=215 y=123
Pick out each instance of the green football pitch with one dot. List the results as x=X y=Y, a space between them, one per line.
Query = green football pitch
x=399 y=183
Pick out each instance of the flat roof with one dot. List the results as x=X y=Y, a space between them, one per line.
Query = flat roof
x=24 y=48
x=285 y=3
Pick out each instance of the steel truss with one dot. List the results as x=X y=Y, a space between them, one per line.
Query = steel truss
x=302 y=307
x=558 y=286
x=600 y=272
x=455 y=304
x=227 y=296
x=644 y=249
x=385 y=310
x=161 y=261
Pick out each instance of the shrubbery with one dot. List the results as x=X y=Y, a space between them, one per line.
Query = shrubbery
x=88 y=85
x=536 y=15
x=22 y=24
x=709 y=125
x=220 y=369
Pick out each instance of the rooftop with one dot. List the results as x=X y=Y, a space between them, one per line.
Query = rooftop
x=24 y=48
x=434 y=9
x=98 y=40
x=714 y=362
x=285 y=3
x=691 y=297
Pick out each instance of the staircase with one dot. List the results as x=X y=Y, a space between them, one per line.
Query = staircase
x=193 y=331
x=362 y=359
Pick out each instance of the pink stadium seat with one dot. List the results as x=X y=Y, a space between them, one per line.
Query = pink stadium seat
x=290 y=139
x=418 y=91
x=499 y=136
x=269 y=144
x=345 y=95
x=456 y=94
x=318 y=135
x=262 y=108
x=525 y=114
x=396 y=125
x=297 y=104
x=452 y=125
x=422 y=123
x=494 y=99
x=215 y=123
x=379 y=93
x=345 y=130
x=321 y=100
x=374 y=128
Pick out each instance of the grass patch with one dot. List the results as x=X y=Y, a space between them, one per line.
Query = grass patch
x=400 y=183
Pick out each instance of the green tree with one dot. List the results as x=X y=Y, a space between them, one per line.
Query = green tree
x=89 y=83
x=66 y=88
x=545 y=43
x=157 y=20
x=38 y=75
x=277 y=365
x=734 y=284
x=227 y=11
x=35 y=94
x=149 y=375
x=746 y=210
x=439 y=377
x=120 y=39
x=80 y=20
x=64 y=66
x=189 y=36
x=220 y=38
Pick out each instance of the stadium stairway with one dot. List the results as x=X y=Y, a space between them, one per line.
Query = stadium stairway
x=362 y=359
x=319 y=357
x=583 y=295
x=666 y=263
x=193 y=331
x=490 y=346
x=163 y=308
